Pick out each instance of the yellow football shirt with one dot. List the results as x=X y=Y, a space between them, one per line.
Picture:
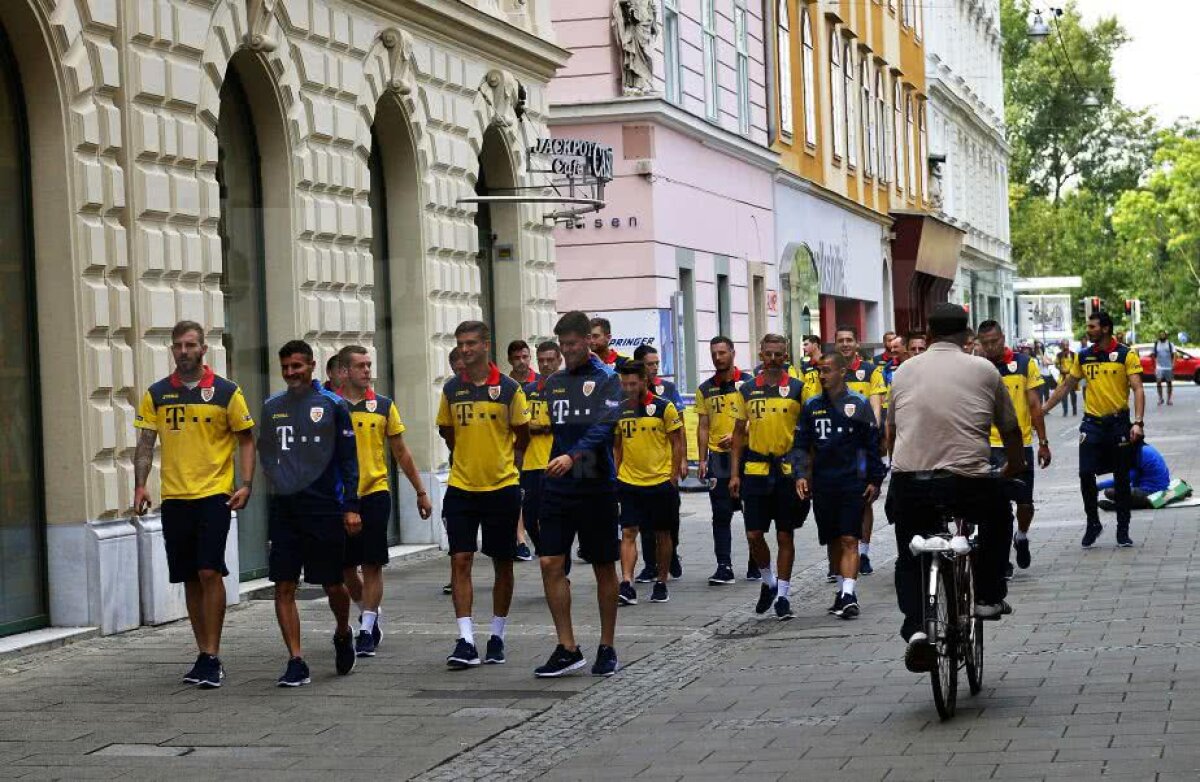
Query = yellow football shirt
x=483 y=418
x=811 y=376
x=197 y=429
x=537 y=455
x=1107 y=369
x=720 y=401
x=642 y=430
x=770 y=412
x=1020 y=374
x=375 y=419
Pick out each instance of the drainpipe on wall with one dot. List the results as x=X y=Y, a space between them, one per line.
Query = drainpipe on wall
x=770 y=38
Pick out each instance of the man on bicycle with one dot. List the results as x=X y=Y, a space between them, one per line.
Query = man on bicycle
x=943 y=406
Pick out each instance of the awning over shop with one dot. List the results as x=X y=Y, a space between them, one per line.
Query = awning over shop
x=925 y=253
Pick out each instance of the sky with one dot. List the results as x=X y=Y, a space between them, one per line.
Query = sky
x=1158 y=68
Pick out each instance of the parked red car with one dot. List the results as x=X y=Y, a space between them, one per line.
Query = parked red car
x=1187 y=363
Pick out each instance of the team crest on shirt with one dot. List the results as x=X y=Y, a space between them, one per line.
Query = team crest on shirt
x=316 y=414
x=849 y=409
x=494 y=392
x=658 y=389
x=1012 y=366
x=207 y=393
x=588 y=387
x=1112 y=356
x=783 y=390
x=650 y=409
x=371 y=405
x=861 y=374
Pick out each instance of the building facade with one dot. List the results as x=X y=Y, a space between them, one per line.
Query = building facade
x=966 y=99
x=682 y=250
x=273 y=169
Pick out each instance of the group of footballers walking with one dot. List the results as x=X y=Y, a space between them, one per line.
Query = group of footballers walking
x=591 y=446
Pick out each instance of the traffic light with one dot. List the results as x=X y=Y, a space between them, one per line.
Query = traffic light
x=1091 y=305
x=1129 y=306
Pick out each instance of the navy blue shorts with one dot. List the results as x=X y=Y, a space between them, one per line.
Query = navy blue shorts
x=1024 y=495
x=649 y=507
x=531 y=503
x=772 y=499
x=1100 y=441
x=590 y=515
x=496 y=512
x=370 y=546
x=194 y=532
x=719 y=472
x=307 y=535
x=838 y=514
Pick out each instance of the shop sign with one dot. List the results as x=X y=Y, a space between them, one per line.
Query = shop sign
x=576 y=158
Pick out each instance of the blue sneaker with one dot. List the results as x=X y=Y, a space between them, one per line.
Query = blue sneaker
x=211 y=673
x=647 y=576
x=561 y=662
x=364 y=644
x=376 y=632
x=606 y=661
x=193 y=676
x=659 y=595
x=783 y=609
x=296 y=674
x=753 y=573
x=464 y=656
x=343 y=653
x=626 y=594
x=765 y=598
x=523 y=553
x=676 y=568
x=864 y=565
x=495 y=651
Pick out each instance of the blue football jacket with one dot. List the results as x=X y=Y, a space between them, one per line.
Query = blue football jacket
x=583 y=405
x=837 y=444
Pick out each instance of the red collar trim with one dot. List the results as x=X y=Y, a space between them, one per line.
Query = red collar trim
x=735 y=375
x=761 y=380
x=1112 y=346
x=610 y=357
x=657 y=381
x=646 y=400
x=1008 y=355
x=370 y=394
x=531 y=377
x=206 y=378
x=856 y=363
x=493 y=378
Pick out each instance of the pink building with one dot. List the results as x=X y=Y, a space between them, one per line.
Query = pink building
x=684 y=248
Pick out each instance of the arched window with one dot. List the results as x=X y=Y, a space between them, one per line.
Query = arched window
x=923 y=160
x=850 y=96
x=910 y=139
x=897 y=149
x=867 y=124
x=809 y=63
x=881 y=128
x=837 y=90
x=784 y=46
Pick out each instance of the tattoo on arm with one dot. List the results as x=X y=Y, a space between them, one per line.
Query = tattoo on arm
x=143 y=456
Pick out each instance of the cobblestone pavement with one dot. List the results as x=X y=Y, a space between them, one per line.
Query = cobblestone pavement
x=1096 y=674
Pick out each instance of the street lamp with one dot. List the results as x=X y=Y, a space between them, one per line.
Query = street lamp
x=1039 y=30
x=1090 y=101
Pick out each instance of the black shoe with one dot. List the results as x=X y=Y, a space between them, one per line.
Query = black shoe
x=364 y=644
x=647 y=576
x=864 y=565
x=211 y=673
x=846 y=606
x=193 y=676
x=831 y=577
x=1023 y=557
x=626 y=595
x=448 y=589
x=783 y=609
x=343 y=653
x=659 y=595
x=523 y=553
x=722 y=575
x=1008 y=571
x=296 y=674
x=464 y=656
x=1105 y=504
x=992 y=611
x=753 y=573
x=1123 y=539
x=837 y=599
x=676 y=567
x=376 y=632
x=1092 y=534
x=561 y=662
x=495 y=651
x=920 y=656
x=766 y=597
x=606 y=661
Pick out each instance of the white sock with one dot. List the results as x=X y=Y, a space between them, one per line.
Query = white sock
x=368 y=621
x=1021 y=536
x=864 y=548
x=360 y=606
x=498 y=623
x=840 y=580
x=784 y=587
x=768 y=575
x=848 y=585
x=465 y=630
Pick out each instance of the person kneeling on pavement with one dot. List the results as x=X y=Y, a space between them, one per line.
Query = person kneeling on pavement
x=1148 y=476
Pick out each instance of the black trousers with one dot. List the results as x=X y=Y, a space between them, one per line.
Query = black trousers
x=1104 y=447
x=916 y=505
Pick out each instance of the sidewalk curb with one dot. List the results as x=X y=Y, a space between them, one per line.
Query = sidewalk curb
x=44 y=640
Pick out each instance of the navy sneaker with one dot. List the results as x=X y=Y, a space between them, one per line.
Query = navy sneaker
x=992 y=611
x=376 y=632
x=864 y=565
x=1092 y=534
x=831 y=577
x=296 y=674
x=647 y=576
x=783 y=609
x=1023 y=558
x=753 y=573
x=626 y=595
x=211 y=673
x=464 y=656
x=837 y=598
x=562 y=662
x=1123 y=539
x=448 y=589
x=193 y=676
x=766 y=597
x=659 y=595
x=523 y=553
x=606 y=661
x=364 y=644
x=495 y=651
x=722 y=575
x=676 y=566
x=343 y=653
x=846 y=606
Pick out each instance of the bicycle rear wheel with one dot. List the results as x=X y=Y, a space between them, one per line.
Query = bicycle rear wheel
x=942 y=630
x=971 y=628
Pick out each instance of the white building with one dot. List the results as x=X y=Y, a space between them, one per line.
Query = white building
x=966 y=100
x=273 y=169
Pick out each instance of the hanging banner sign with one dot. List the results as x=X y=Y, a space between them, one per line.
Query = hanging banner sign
x=576 y=157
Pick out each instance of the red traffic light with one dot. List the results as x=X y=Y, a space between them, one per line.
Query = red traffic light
x=1129 y=306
